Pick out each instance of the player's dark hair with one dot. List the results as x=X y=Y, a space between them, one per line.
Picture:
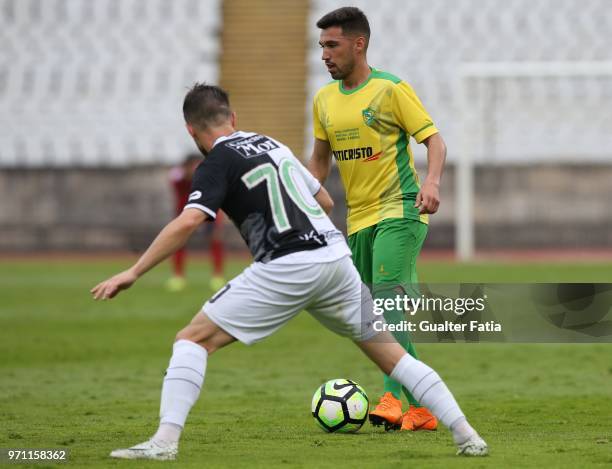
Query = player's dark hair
x=206 y=105
x=351 y=19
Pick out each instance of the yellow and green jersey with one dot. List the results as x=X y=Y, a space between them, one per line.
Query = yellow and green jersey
x=368 y=129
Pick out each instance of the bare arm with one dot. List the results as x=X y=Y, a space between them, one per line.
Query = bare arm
x=324 y=200
x=172 y=237
x=320 y=162
x=428 y=198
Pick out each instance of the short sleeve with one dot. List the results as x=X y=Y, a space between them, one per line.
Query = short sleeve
x=410 y=113
x=209 y=186
x=317 y=126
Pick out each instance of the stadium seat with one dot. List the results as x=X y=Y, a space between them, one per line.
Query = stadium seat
x=101 y=81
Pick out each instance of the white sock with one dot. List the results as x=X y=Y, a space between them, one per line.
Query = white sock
x=181 y=388
x=168 y=433
x=428 y=388
x=462 y=431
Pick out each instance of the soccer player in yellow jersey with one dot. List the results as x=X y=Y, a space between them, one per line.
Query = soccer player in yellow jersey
x=365 y=119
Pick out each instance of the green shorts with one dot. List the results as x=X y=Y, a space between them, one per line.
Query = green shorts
x=386 y=254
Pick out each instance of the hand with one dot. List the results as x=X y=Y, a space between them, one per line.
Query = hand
x=110 y=287
x=428 y=198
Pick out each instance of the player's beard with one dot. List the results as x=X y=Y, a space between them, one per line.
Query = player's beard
x=202 y=149
x=340 y=73
x=337 y=74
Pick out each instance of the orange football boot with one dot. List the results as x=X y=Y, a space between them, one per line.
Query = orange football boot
x=388 y=412
x=419 y=418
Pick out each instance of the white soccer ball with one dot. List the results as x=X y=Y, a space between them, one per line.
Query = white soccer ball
x=340 y=405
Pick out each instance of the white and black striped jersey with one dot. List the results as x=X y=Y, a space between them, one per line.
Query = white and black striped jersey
x=268 y=194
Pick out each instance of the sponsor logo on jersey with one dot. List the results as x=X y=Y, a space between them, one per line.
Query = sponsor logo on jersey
x=195 y=195
x=373 y=157
x=255 y=145
x=362 y=153
x=368 y=116
x=313 y=235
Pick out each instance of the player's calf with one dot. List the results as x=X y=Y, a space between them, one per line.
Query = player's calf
x=183 y=381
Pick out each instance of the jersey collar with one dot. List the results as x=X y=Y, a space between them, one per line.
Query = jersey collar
x=354 y=90
x=238 y=133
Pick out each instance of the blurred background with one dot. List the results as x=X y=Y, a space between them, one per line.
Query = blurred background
x=91 y=122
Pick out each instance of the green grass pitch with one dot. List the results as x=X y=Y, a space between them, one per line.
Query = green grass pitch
x=84 y=375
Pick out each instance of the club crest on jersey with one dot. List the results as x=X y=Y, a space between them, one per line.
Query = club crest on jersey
x=255 y=145
x=368 y=116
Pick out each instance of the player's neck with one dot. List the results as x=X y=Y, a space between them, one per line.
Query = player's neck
x=215 y=133
x=357 y=77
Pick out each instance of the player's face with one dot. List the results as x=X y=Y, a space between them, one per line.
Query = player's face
x=339 y=52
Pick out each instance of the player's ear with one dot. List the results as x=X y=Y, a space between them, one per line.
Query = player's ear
x=190 y=130
x=233 y=119
x=360 y=44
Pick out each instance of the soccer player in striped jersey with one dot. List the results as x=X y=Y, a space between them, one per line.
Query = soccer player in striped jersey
x=301 y=261
x=365 y=119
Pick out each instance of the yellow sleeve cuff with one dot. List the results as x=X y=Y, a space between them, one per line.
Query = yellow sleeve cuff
x=320 y=134
x=425 y=132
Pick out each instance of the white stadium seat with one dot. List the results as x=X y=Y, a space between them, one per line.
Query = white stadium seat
x=101 y=81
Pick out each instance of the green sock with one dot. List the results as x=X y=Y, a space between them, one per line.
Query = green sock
x=403 y=337
x=393 y=387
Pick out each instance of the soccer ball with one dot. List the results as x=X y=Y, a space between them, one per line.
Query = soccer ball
x=340 y=405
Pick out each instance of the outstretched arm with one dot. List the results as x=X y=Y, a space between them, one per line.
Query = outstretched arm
x=428 y=198
x=320 y=163
x=172 y=237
